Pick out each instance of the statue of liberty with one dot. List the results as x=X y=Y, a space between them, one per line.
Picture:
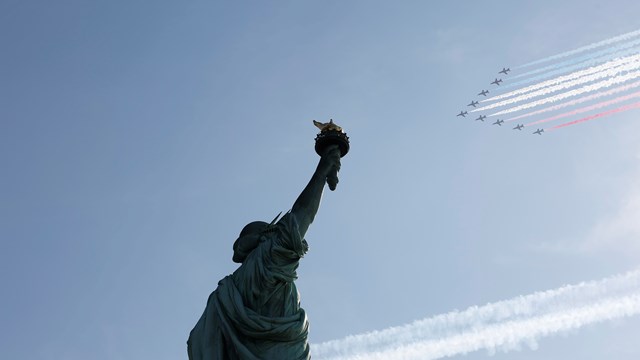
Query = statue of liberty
x=255 y=312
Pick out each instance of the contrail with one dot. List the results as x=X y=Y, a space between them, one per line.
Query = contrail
x=602 y=114
x=585 y=89
x=577 y=101
x=502 y=325
x=581 y=110
x=509 y=335
x=584 y=48
x=600 y=69
x=585 y=60
x=610 y=73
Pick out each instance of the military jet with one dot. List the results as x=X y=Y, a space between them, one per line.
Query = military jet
x=519 y=127
x=483 y=92
x=462 y=113
x=539 y=131
x=497 y=81
x=504 y=71
x=498 y=122
x=473 y=103
x=481 y=117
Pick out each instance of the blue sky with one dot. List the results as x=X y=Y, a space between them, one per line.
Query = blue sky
x=138 y=137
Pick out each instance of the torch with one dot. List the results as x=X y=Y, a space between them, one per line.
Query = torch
x=331 y=134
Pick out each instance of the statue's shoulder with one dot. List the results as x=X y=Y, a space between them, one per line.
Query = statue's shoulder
x=289 y=235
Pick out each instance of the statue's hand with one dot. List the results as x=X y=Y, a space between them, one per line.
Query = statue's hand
x=330 y=165
x=330 y=160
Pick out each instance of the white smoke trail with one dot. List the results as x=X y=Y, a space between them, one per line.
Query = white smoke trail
x=599 y=69
x=579 y=91
x=585 y=48
x=578 y=100
x=509 y=335
x=499 y=326
x=609 y=73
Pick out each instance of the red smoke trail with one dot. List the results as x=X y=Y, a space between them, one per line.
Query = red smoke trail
x=606 y=113
x=588 y=108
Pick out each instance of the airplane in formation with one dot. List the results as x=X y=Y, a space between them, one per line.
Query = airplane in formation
x=462 y=113
x=504 y=71
x=498 y=122
x=539 y=131
x=518 y=127
x=483 y=92
x=497 y=81
x=481 y=117
x=473 y=103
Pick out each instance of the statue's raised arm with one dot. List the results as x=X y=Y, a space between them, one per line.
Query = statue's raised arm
x=306 y=206
x=332 y=143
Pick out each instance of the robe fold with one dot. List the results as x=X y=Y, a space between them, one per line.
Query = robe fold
x=255 y=312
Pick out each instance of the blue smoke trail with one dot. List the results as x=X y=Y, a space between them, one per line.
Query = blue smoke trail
x=584 y=48
x=605 y=54
x=568 y=69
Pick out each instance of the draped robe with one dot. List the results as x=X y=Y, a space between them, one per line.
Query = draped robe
x=255 y=312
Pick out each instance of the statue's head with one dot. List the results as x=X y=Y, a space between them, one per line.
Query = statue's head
x=248 y=240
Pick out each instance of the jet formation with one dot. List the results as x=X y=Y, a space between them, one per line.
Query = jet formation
x=474 y=103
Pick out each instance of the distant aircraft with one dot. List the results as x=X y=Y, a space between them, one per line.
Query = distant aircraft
x=498 y=122
x=462 y=113
x=539 y=131
x=504 y=71
x=519 y=127
x=483 y=92
x=481 y=117
x=497 y=81
x=473 y=103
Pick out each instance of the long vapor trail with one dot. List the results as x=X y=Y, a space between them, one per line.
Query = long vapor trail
x=585 y=109
x=610 y=73
x=577 y=101
x=509 y=335
x=575 y=92
x=586 y=60
x=584 y=48
x=503 y=325
x=596 y=116
x=603 y=70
